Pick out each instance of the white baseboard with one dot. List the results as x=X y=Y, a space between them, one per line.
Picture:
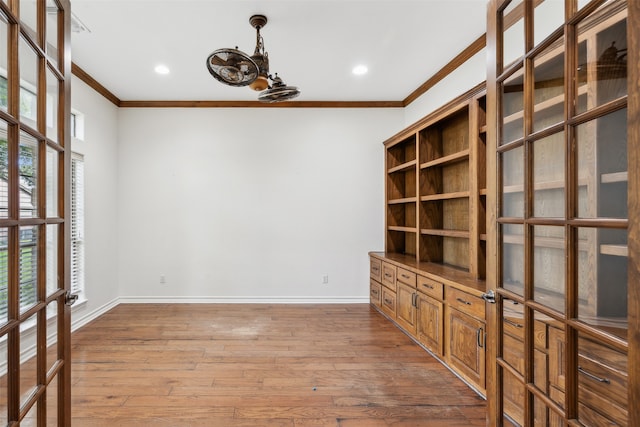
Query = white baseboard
x=240 y=300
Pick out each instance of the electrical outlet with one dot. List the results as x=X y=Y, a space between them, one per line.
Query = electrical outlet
x=325 y=279
x=163 y=279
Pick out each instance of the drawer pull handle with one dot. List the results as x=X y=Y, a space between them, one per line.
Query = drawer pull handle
x=375 y=269
x=405 y=276
x=480 y=337
x=593 y=377
x=428 y=286
x=463 y=301
x=512 y=323
x=387 y=275
x=387 y=301
x=374 y=292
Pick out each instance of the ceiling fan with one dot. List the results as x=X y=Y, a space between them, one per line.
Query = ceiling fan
x=236 y=68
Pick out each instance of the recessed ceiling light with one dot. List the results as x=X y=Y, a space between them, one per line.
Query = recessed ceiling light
x=162 y=69
x=360 y=70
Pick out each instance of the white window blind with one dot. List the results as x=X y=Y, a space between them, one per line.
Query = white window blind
x=77 y=223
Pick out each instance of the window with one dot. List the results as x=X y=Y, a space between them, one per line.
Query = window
x=77 y=223
x=77 y=125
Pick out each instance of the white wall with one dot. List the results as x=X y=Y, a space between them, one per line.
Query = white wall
x=100 y=148
x=250 y=204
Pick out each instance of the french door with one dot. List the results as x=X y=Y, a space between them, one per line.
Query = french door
x=35 y=70
x=564 y=198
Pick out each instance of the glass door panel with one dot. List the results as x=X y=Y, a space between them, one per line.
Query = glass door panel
x=514 y=393
x=549 y=176
x=513 y=107
x=512 y=242
x=28 y=259
x=512 y=167
x=602 y=166
x=28 y=84
x=602 y=279
x=4 y=61
x=28 y=371
x=53 y=245
x=547 y=17
x=53 y=15
x=548 y=89
x=4 y=168
x=4 y=280
x=53 y=105
x=29 y=16
x=602 y=57
x=513 y=36
x=33 y=206
x=549 y=266
x=28 y=171
x=53 y=177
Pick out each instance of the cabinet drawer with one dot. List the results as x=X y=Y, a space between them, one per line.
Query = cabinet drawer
x=375 y=293
x=375 y=269
x=407 y=277
x=602 y=380
x=430 y=287
x=388 y=302
x=466 y=302
x=514 y=325
x=389 y=275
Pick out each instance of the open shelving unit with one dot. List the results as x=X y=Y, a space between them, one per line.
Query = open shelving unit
x=436 y=187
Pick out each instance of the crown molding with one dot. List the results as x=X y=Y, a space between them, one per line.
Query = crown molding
x=452 y=65
x=258 y=104
x=94 y=84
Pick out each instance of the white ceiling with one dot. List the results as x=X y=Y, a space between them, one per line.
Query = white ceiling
x=312 y=44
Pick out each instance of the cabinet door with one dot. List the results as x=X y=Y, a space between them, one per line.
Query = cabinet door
x=466 y=346
x=560 y=147
x=405 y=308
x=430 y=323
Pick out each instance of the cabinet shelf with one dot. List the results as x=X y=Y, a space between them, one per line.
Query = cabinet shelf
x=445 y=196
x=404 y=167
x=544 y=185
x=615 y=250
x=402 y=201
x=451 y=158
x=610 y=178
x=544 y=242
x=464 y=234
x=402 y=229
x=551 y=102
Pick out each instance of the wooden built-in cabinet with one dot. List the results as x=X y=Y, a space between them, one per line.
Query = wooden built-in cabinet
x=444 y=315
x=558 y=161
x=436 y=235
x=512 y=219
x=436 y=187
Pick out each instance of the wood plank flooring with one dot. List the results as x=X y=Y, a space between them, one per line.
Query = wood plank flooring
x=260 y=365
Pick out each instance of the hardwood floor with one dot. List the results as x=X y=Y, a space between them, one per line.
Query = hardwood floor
x=260 y=365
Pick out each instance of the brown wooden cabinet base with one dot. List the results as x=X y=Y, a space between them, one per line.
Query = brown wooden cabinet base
x=434 y=310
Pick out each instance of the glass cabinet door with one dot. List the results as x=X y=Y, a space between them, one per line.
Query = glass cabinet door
x=562 y=216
